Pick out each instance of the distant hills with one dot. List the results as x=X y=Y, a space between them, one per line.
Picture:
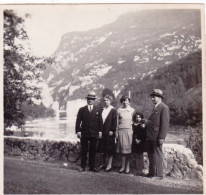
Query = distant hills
x=136 y=52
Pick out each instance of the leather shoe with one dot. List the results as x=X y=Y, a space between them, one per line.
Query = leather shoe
x=81 y=169
x=108 y=170
x=139 y=174
x=93 y=170
x=148 y=175
x=121 y=170
x=101 y=167
x=127 y=171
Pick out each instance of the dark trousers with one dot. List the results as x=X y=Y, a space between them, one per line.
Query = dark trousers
x=90 y=142
x=155 y=156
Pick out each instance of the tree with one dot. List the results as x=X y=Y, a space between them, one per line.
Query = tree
x=21 y=70
x=36 y=111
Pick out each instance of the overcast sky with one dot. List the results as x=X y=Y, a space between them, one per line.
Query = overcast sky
x=49 y=22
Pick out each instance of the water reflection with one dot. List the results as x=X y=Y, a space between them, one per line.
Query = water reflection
x=50 y=128
x=63 y=129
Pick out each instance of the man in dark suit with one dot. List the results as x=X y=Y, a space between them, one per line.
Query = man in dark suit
x=157 y=127
x=88 y=129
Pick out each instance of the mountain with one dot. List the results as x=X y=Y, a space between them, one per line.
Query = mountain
x=132 y=47
x=181 y=83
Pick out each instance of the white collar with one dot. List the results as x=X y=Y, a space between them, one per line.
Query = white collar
x=128 y=108
x=157 y=104
x=108 y=108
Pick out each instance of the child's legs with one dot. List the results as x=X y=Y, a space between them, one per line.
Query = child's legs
x=139 y=162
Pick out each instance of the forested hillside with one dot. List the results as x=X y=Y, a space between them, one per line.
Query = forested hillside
x=181 y=83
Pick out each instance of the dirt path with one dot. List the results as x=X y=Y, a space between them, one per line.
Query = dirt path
x=33 y=177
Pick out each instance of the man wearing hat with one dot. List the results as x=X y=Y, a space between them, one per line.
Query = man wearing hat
x=88 y=129
x=157 y=127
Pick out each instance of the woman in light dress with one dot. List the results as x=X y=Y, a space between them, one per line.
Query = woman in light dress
x=124 y=133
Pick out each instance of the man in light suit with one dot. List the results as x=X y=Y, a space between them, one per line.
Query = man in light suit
x=157 y=127
x=88 y=129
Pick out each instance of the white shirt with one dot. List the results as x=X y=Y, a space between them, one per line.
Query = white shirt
x=157 y=104
x=90 y=107
x=105 y=112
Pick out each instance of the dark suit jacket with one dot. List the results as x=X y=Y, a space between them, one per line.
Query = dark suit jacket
x=89 y=123
x=110 y=123
x=158 y=123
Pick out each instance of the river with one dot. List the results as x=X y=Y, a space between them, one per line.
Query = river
x=64 y=129
x=50 y=128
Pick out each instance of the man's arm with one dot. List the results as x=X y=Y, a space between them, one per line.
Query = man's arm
x=78 y=121
x=114 y=121
x=100 y=124
x=164 y=122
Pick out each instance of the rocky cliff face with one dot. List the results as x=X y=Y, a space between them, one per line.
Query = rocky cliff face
x=135 y=45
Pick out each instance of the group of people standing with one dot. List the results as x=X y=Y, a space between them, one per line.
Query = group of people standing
x=123 y=131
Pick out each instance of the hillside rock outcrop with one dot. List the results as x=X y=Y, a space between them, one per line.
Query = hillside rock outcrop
x=134 y=46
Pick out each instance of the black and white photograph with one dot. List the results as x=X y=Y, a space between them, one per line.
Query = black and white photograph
x=103 y=98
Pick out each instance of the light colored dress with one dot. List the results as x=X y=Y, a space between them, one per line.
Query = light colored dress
x=124 y=132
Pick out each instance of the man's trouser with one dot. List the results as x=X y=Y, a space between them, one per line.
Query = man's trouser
x=155 y=156
x=92 y=143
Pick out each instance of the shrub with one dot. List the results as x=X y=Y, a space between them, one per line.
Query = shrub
x=195 y=143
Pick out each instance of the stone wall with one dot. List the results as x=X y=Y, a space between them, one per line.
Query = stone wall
x=179 y=162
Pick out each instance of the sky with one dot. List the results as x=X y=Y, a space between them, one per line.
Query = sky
x=49 y=22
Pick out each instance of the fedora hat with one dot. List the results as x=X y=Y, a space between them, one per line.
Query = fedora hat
x=157 y=92
x=91 y=95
